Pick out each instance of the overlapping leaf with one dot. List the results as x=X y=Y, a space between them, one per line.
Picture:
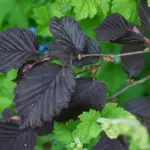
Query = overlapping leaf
x=68 y=32
x=11 y=137
x=133 y=64
x=74 y=109
x=115 y=28
x=43 y=92
x=111 y=144
x=92 y=92
x=61 y=51
x=144 y=13
x=88 y=128
x=23 y=34
x=91 y=47
x=45 y=128
x=141 y=108
x=16 y=46
x=89 y=8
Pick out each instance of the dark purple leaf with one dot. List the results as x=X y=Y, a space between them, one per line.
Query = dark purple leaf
x=74 y=109
x=16 y=46
x=115 y=28
x=91 y=47
x=68 y=32
x=6 y=115
x=139 y=107
x=43 y=92
x=106 y=143
x=90 y=91
x=133 y=64
x=22 y=33
x=45 y=129
x=60 y=52
x=144 y=13
x=90 y=94
x=13 y=138
x=146 y=121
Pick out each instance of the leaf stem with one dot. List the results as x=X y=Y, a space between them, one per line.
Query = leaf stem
x=90 y=69
x=115 y=55
x=128 y=87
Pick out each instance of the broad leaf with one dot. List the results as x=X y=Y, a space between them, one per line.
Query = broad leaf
x=90 y=92
x=16 y=46
x=23 y=34
x=112 y=111
x=61 y=52
x=68 y=32
x=126 y=8
x=44 y=92
x=141 y=108
x=133 y=64
x=74 y=109
x=42 y=15
x=115 y=28
x=105 y=143
x=11 y=137
x=88 y=128
x=91 y=47
x=89 y=8
x=45 y=128
x=63 y=133
x=144 y=13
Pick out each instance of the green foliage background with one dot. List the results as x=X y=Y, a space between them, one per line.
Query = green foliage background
x=89 y=13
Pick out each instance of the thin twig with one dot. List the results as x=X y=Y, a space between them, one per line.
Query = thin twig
x=116 y=55
x=128 y=87
x=80 y=56
x=93 y=67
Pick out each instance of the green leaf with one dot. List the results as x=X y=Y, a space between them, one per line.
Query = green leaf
x=92 y=143
x=118 y=77
x=134 y=92
x=58 y=146
x=127 y=8
x=5 y=7
x=148 y=3
x=112 y=111
x=6 y=88
x=89 y=8
x=7 y=85
x=15 y=13
x=116 y=121
x=87 y=128
x=65 y=6
x=45 y=139
x=42 y=16
x=63 y=133
x=94 y=23
x=38 y=148
x=133 y=146
x=21 y=21
x=71 y=124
